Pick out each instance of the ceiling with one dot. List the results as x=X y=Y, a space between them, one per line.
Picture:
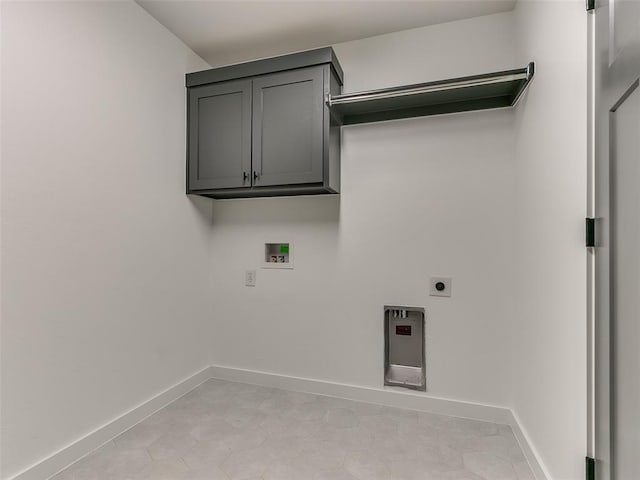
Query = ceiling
x=225 y=32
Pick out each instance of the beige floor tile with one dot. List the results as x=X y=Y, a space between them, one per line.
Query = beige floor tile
x=247 y=464
x=210 y=473
x=378 y=426
x=498 y=445
x=203 y=454
x=460 y=475
x=341 y=418
x=166 y=469
x=109 y=464
x=322 y=454
x=234 y=431
x=139 y=436
x=276 y=404
x=361 y=409
x=335 y=474
x=366 y=466
x=307 y=412
x=172 y=444
x=489 y=466
x=290 y=469
x=213 y=429
x=432 y=463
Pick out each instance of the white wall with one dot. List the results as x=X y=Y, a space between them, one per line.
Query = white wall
x=104 y=258
x=420 y=197
x=551 y=141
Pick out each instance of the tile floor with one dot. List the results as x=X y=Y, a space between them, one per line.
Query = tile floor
x=234 y=431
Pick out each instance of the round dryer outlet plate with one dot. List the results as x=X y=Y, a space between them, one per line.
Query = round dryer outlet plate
x=440 y=286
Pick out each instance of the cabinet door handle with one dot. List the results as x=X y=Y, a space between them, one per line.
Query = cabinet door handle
x=255 y=176
x=245 y=177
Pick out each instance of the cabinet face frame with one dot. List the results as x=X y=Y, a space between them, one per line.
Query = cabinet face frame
x=195 y=160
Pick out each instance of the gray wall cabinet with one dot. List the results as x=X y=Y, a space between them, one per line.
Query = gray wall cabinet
x=267 y=133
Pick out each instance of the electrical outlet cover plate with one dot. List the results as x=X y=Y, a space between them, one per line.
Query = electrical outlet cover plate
x=434 y=292
x=250 y=278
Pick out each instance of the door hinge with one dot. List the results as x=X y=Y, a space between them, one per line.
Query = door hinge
x=590 y=232
x=591 y=468
x=591 y=5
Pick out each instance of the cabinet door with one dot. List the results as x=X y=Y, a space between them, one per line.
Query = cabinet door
x=288 y=127
x=220 y=135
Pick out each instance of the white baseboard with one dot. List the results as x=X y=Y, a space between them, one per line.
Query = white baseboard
x=536 y=464
x=51 y=465
x=389 y=396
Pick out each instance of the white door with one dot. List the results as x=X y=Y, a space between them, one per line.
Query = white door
x=616 y=114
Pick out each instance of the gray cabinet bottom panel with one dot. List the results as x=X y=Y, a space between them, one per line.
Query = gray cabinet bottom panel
x=277 y=191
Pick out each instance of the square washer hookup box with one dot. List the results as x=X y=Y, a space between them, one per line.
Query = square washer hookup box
x=404 y=341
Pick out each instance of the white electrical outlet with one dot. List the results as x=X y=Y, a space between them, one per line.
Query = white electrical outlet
x=250 y=278
x=440 y=287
